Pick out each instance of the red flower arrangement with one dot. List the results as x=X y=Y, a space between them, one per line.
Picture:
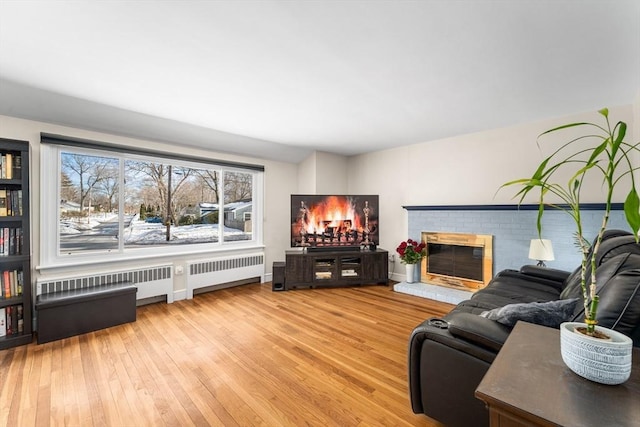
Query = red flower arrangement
x=411 y=252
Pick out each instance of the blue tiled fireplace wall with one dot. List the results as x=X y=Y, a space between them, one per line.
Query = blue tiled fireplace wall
x=513 y=230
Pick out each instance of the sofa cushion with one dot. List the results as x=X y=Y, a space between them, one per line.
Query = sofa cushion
x=572 y=283
x=618 y=286
x=609 y=248
x=550 y=313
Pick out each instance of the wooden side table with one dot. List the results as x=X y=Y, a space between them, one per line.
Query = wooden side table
x=528 y=384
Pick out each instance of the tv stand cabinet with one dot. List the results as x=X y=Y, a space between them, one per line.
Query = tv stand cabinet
x=335 y=268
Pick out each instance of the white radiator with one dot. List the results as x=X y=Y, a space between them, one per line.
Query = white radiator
x=151 y=281
x=204 y=273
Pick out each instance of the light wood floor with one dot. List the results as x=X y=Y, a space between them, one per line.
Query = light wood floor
x=242 y=356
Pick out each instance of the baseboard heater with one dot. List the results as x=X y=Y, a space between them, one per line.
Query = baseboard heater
x=214 y=271
x=151 y=281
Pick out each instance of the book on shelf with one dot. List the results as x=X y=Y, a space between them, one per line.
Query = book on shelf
x=13 y=276
x=9 y=166
x=13 y=317
x=11 y=241
x=323 y=275
x=349 y=273
x=20 y=281
x=3 y=322
x=17 y=167
x=13 y=320
x=11 y=283
x=324 y=263
x=9 y=317
x=6 y=284
x=20 y=316
x=10 y=202
x=3 y=202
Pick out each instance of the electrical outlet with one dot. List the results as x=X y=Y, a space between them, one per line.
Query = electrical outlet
x=392 y=257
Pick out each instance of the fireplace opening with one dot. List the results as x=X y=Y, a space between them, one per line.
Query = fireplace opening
x=454 y=260
x=458 y=260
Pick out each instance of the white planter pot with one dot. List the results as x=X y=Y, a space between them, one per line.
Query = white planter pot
x=411 y=272
x=602 y=361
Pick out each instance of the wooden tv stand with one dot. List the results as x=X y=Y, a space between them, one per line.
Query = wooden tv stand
x=333 y=268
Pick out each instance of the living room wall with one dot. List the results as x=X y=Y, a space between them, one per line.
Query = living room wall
x=463 y=170
x=280 y=180
x=323 y=173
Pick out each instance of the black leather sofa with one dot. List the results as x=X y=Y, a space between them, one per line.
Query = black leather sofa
x=448 y=357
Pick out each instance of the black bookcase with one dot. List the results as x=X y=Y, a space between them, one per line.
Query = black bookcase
x=15 y=251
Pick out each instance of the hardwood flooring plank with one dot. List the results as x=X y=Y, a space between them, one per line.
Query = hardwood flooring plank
x=15 y=383
x=243 y=356
x=29 y=394
x=43 y=408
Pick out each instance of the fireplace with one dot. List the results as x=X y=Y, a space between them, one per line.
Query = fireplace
x=457 y=260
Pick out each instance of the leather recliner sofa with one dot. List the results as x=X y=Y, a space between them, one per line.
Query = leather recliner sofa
x=448 y=357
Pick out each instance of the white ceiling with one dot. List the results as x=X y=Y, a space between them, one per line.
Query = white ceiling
x=279 y=79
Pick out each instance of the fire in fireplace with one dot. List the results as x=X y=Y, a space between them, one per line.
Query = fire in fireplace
x=332 y=221
x=458 y=260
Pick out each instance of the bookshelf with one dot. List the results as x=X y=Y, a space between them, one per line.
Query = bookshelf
x=15 y=251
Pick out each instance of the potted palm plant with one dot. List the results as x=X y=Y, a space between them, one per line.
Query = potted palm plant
x=602 y=151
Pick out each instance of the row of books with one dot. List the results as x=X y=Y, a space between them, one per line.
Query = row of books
x=11 y=283
x=11 y=241
x=10 y=202
x=10 y=166
x=11 y=320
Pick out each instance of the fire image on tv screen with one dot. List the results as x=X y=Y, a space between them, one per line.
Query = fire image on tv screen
x=331 y=220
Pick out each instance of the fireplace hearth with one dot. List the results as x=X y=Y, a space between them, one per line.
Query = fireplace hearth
x=457 y=260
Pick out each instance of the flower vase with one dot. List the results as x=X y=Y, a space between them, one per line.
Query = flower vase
x=411 y=272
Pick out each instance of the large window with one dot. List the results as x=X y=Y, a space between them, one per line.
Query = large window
x=121 y=204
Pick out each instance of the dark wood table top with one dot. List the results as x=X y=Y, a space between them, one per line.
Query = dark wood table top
x=529 y=379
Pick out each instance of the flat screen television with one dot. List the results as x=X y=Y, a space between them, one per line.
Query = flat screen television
x=334 y=221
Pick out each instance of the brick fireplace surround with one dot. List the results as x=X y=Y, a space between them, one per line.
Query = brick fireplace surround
x=512 y=228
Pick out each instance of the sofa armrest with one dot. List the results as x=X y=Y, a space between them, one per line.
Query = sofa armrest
x=545 y=273
x=478 y=330
x=437 y=330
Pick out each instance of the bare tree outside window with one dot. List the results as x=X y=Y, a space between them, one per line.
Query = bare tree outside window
x=85 y=172
x=88 y=221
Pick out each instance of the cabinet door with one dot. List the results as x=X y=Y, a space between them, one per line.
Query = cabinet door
x=325 y=269
x=296 y=269
x=351 y=268
x=376 y=267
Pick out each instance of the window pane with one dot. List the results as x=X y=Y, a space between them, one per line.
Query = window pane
x=238 y=202
x=88 y=203
x=172 y=204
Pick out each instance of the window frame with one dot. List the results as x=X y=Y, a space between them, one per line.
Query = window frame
x=50 y=190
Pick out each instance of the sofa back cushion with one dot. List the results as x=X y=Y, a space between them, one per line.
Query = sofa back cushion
x=613 y=243
x=618 y=285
